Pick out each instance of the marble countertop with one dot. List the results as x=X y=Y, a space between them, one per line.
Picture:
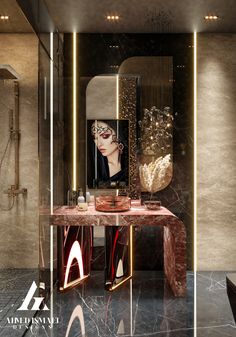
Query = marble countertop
x=174 y=237
x=138 y=214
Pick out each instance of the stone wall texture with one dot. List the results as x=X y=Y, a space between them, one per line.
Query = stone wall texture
x=216 y=152
x=19 y=231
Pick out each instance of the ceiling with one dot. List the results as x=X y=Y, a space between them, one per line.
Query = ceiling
x=136 y=16
x=17 y=23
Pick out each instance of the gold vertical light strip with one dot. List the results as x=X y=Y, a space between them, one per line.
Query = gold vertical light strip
x=96 y=156
x=117 y=193
x=51 y=173
x=51 y=122
x=131 y=250
x=131 y=306
x=74 y=159
x=117 y=97
x=195 y=184
x=117 y=112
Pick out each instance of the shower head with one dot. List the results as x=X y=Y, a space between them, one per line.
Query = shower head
x=8 y=73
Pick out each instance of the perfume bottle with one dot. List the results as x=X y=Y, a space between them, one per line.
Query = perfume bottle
x=88 y=197
x=71 y=198
x=81 y=198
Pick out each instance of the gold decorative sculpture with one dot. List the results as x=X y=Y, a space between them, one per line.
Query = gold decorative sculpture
x=155 y=143
x=156 y=175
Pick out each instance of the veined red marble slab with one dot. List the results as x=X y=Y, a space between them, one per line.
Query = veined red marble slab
x=138 y=215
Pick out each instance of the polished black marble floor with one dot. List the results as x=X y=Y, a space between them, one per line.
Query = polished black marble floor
x=142 y=307
x=214 y=315
x=14 y=285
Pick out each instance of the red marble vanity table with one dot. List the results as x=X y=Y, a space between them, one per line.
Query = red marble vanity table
x=174 y=233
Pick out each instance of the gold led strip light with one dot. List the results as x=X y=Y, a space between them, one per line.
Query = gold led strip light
x=74 y=182
x=195 y=184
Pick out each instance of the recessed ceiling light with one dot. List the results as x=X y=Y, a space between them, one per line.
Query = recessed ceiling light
x=114 y=46
x=113 y=17
x=4 y=17
x=114 y=66
x=211 y=17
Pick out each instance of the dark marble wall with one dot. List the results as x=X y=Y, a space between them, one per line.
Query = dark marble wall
x=97 y=55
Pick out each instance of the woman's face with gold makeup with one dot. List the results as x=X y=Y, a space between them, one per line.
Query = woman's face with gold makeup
x=105 y=138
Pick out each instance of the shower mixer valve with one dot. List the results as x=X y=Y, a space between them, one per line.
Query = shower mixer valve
x=12 y=192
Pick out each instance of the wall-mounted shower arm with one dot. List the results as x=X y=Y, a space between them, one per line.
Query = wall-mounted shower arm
x=16 y=134
x=14 y=128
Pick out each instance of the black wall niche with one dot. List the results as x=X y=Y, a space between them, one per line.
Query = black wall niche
x=103 y=54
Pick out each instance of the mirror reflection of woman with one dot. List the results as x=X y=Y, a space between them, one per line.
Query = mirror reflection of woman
x=110 y=151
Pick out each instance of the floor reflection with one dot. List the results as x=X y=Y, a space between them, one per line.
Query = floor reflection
x=76 y=314
x=143 y=306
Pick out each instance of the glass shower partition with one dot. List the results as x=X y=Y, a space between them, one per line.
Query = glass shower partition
x=50 y=152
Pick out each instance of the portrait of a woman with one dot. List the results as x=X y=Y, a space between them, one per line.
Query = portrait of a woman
x=107 y=153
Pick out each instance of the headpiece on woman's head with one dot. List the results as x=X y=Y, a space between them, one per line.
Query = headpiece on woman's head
x=96 y=128
x=111 y=127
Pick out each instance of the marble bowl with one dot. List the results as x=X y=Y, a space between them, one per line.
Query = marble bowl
x=153 y=205
x=108 y=203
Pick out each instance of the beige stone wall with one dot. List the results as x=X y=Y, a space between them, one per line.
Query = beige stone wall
x=19 y=227
x=216 y=152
